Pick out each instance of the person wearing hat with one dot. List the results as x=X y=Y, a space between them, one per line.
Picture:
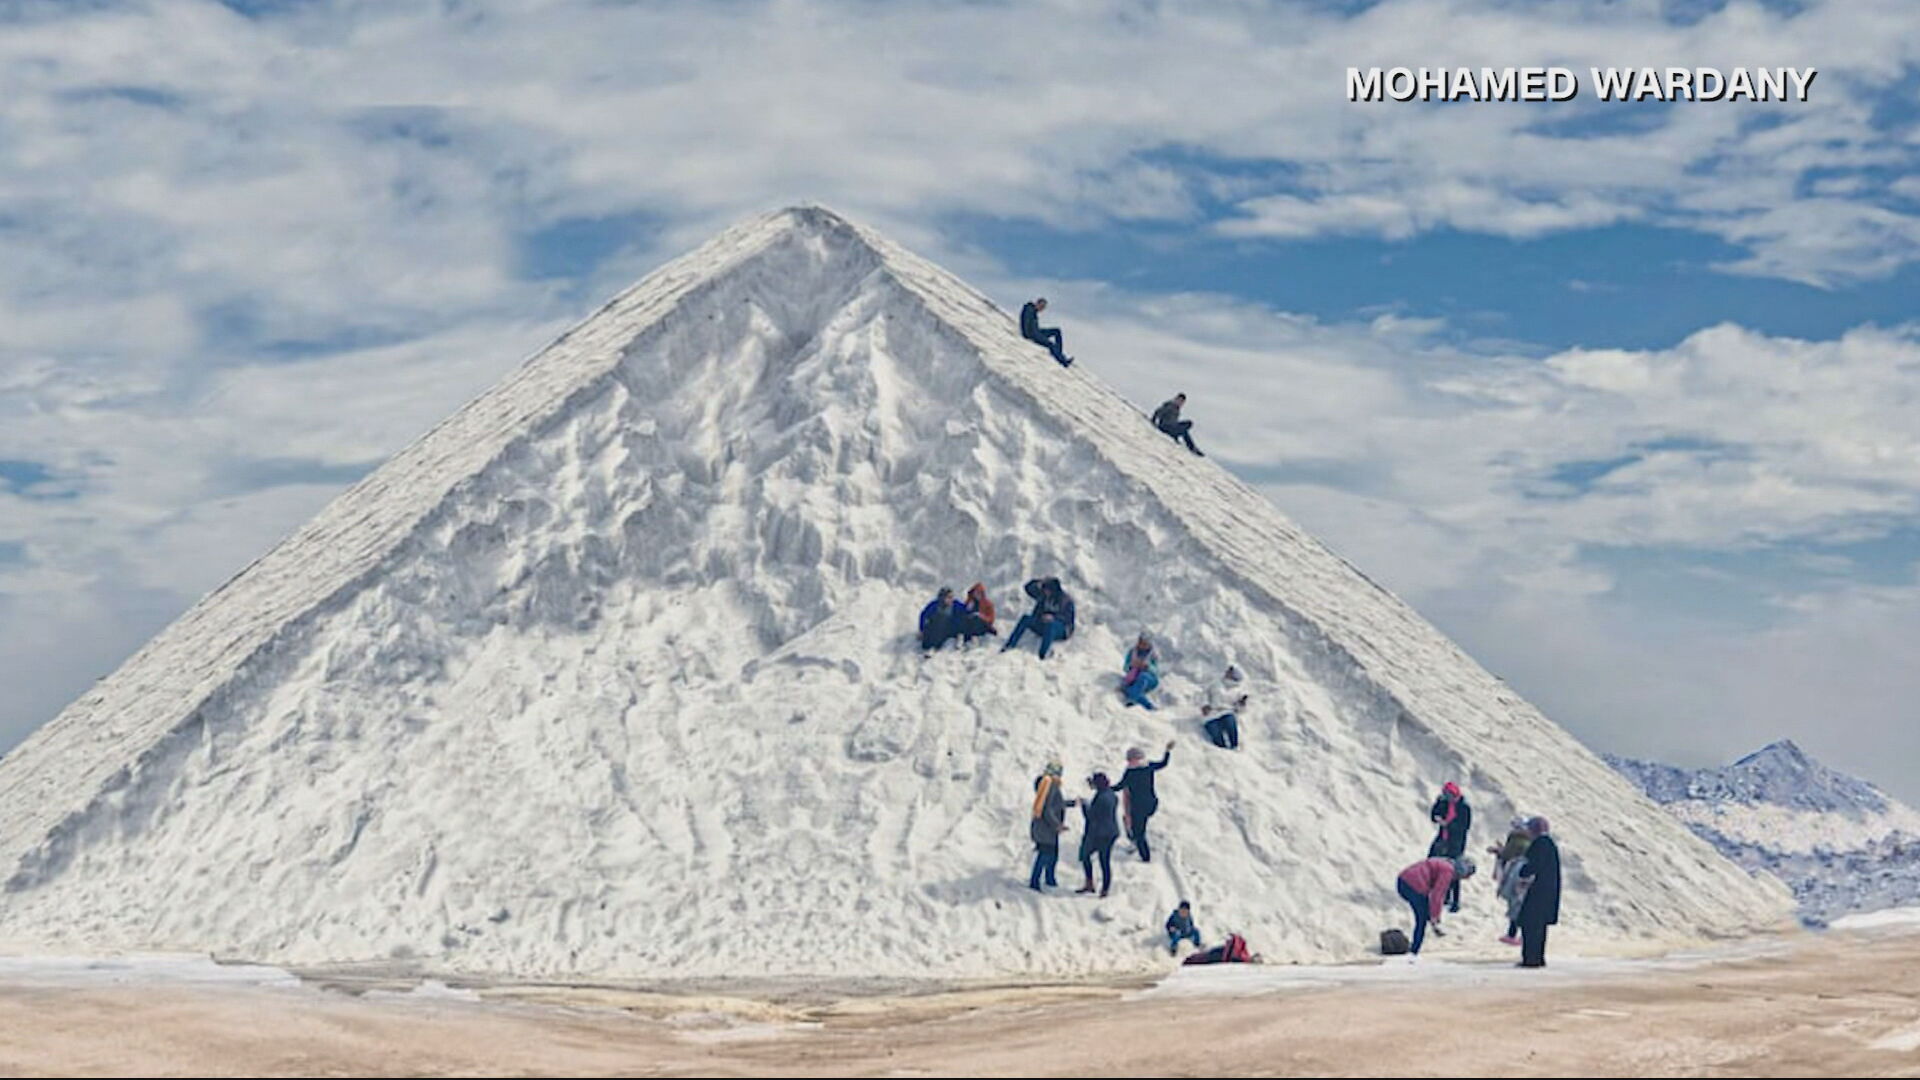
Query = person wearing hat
x=940 y=620
x=1139 y=673
x=1508 y=858
x=1137 y=785
x=1453 y=817
x=1049 y=821
x=1424 y=886
x=1221 y=711
x=1540 y=877
x=1101 y=830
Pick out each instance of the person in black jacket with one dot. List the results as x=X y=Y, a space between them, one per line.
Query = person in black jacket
x=1052 y=617
x=1167 y=419
x=1048 y=336
x=1137 y=783
x=1102 y=829
x=1541 y=908
x=1453 y=817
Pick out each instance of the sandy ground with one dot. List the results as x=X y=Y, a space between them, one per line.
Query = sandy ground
x=1829 y=1005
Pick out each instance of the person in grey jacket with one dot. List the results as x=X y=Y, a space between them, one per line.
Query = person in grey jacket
x=1102 y=829
x=1049 y=821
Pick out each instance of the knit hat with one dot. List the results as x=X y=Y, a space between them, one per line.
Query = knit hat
x=1134 y=753
x=1053 y=767
x=1450 y=788
x=1464 y=867
x=1538 y=826
x=1518 y=824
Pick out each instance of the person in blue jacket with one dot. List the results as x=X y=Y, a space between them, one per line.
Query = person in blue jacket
x=1048 y=336
x=1052 y=617
x=940 y=620
x=1180 y=928
x=1139 y=673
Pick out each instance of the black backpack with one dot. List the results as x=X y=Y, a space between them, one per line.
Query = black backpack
x=1394 y=942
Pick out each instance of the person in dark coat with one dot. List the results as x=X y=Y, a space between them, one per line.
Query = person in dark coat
x=1052 y=617
x=1049 y=821
x=940 y=621
x=1541 y=908
x=1137 y=784
x=1167 y=419
x=1048 y=336
x=1180 y=928
x=1102 y=829
x=1453 y=817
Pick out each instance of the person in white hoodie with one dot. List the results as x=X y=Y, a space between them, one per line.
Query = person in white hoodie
x=1225 y=700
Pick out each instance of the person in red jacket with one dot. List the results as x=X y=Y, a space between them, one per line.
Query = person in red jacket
x=977 y=618
x=1424 y=887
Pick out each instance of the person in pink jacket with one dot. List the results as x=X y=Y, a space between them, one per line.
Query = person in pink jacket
x=1424 y=887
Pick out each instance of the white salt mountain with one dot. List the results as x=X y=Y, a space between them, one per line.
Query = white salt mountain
x=611 y=675
x=1840 y=843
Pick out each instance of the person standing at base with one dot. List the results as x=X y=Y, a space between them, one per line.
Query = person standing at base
x=1142 y=801
x=1508 y=858
x=1049 y=821
x=1102 y=828
x=1453 y=817
x=1540 y=875
x=1424 y=887
x=1045 y=336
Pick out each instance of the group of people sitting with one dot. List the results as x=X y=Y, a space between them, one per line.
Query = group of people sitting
x=947 y=619
x=1166 y=418
x=1526 y=874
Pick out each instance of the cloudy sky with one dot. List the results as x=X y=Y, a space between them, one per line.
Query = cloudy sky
x=1623 y=396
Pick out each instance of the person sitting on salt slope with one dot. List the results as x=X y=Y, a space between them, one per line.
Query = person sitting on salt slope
x=977 y=620
x=1052 y=616
x=1424 y=887
x=1101 y=830
x=1540 y=877
x=1048 y=336
x=1049 y=821
x=940 y=620
x=1221 y=711
x=1139 y=673
x=1508 y=858
x=1454 y=817
x=1142 y=801
x=1167 y=419
x=1180 y=928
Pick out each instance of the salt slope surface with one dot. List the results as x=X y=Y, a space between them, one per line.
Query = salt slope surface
x=608 y=675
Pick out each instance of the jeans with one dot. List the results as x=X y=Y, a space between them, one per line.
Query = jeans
x=1136 y=691
x=1044 y=860
x=1049 y=632
x=1533 y=944
x=1421 y=905
x=1174 y=938
x=1050 y=337
x=1104 y=849
x=1180 y=431
x=1137 y=832
x=1224 y=730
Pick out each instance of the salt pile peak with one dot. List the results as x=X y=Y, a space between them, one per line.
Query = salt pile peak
x=611 y=674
